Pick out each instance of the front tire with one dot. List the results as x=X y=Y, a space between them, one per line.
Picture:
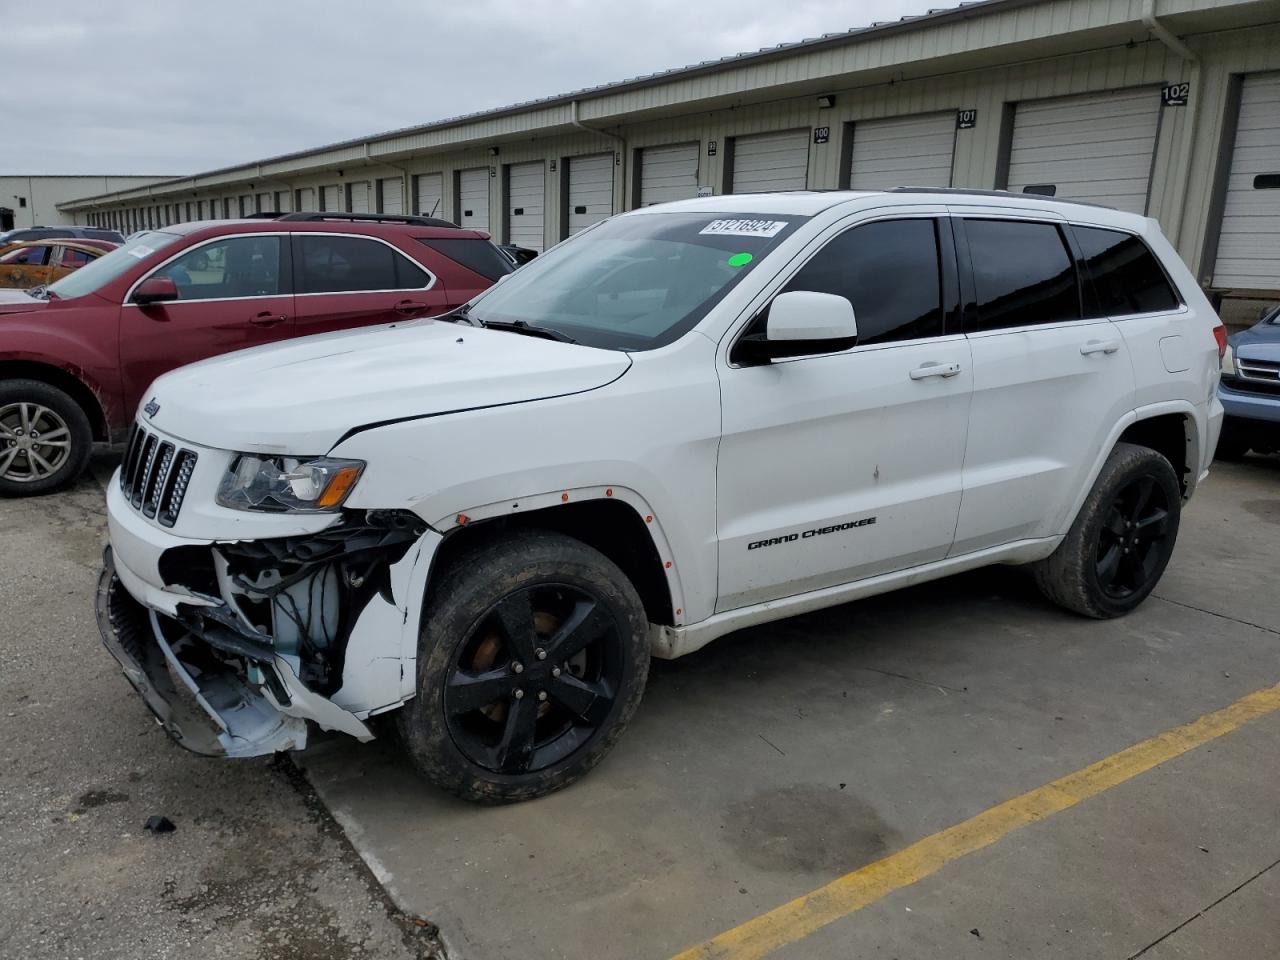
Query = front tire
x=45 y=438
x=532 y=658
x=1116 y=551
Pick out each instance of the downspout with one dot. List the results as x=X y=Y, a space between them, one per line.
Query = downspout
x=1170 y=40
x=1163 y=34
x=617 y=137
x=406 y=195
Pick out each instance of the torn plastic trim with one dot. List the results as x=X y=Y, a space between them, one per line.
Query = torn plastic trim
x=216 y=713
x=312 y=589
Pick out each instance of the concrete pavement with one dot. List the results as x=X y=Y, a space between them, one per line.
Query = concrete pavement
x=255 y=869
x=780 y=758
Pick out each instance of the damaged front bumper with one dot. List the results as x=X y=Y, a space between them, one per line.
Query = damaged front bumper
x=209 y=711
x=235 y=646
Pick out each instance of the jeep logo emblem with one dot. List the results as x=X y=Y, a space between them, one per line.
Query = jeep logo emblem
x=152 y=408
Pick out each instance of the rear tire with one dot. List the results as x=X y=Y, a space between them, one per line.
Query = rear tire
x=1116 y=551
x=532 y=658
x=45 y=438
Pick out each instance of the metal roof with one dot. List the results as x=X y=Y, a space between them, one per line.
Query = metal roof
x=934 y=15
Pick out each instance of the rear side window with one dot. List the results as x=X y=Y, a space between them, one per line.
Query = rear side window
x=112 y=235
x=30 y=256
x=71 y=257
x=478 y=256
x=333 y=264
x=1126 y=276
x=1023 y=274
x=889 y=270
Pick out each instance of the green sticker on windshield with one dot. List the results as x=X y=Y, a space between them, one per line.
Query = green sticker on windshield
x=740 y=259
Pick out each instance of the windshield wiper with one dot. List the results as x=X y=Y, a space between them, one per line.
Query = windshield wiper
x=40 y=293
x=528 y=329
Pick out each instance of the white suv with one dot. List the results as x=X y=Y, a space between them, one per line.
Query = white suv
x=686 y=420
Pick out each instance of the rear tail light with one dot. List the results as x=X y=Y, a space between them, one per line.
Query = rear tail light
x=1220 y=334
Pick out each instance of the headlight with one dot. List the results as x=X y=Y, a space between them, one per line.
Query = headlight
x=288 y=484
x=1229 y=362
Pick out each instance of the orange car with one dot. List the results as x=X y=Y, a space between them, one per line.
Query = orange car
x=30 y=263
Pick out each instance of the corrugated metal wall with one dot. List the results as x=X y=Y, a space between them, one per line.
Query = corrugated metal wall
x=1185 y=181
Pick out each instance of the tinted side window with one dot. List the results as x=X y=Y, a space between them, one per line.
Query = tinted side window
x=247 y=266
x=72 y=257
x=31 y=256
x=1023 y=274
x=350 y=264
x=889 y=270
x=1126 y=276
x=478 y=256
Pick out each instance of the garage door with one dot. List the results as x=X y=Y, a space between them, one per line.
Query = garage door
x=246 y=204
x=307 y=199
x=391 y=192
x=1096 y=147
x=284 y=201
x=526 y=191
x=473 y=199
x=264 y=203
x=773 y=161
x=590 y=190
x=903 y=152
x=429 y=189
x=360 y=197
x=668 y=173
x=1249 y=243
x=330 y=198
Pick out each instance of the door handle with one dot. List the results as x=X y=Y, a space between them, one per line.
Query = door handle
x=935 y=369
x=409 y=306
x=267 y=319
x=1099 y=346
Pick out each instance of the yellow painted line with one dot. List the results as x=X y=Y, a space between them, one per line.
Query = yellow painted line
x=845 y=895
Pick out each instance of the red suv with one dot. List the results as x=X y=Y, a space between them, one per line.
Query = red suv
x=77 y=356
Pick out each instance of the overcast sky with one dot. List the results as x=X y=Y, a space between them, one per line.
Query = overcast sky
x=163 y=87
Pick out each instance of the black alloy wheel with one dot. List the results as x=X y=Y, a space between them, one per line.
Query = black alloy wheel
x=1122 y=538
x=1132 y=542
x=532 y=658
x=535 y=680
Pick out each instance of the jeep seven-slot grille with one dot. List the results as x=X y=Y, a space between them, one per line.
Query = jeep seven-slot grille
x=155 y=474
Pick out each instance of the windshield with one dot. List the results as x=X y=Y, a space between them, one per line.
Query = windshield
x=94 y=276
x=638 y=282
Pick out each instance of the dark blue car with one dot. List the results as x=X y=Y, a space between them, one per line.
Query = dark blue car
x=1250 y=389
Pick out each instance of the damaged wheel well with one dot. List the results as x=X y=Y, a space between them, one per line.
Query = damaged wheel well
x=610 y=526
x=68 y=383
x=1168 y=436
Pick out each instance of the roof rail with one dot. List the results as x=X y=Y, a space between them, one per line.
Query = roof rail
x=965 y=191
x=320 y=217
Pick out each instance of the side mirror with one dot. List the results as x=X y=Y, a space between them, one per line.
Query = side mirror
x=801 y=323
x=155 y=290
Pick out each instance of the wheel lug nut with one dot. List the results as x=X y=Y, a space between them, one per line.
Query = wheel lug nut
x=542 y=694
x=519 y=694
x=555 y=671
x=517 y=667
x=540 y=654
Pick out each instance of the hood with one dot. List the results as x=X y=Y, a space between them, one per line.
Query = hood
x=17 y=301
x=302 y=396
x=1259 y=342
